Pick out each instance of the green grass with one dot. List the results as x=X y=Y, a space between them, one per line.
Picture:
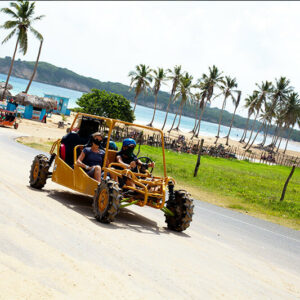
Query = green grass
x=255 y=186
x=248 y=187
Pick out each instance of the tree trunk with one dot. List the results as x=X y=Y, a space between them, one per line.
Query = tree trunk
x=251 y=130
x=227 y=137
x=35 y=67
x=177 y=128
x=279 y=143
x=287 y=182
x=196 y=118
x=287 y=140
x=256 y=135
x=10 y=69
x=245 y=131
x=135 y=101
x=155 y=103
x=266 y=134
x=199 y=122
x=220 y=119
x=174 y=119
x=166 y=117
x=198 y=159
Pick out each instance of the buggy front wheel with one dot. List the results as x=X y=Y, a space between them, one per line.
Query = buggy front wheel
x=181 y=205
x=39 y=171
x=107 y=200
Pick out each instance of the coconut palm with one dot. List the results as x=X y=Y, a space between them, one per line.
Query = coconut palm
x=264 y=118
x=175 y=77
x=264 y=90
x=22 y=17
x=207 y=84
x=141 y=79
x=159 y=78
x=291 y=114
x=226 y=88
x=35 y=66
x=184 y=93
x=279 y=96
x=248 y=105
x=236 y=103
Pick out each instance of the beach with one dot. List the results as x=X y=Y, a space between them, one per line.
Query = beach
x=37 y=132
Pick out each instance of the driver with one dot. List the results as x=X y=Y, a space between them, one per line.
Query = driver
x=128 y=159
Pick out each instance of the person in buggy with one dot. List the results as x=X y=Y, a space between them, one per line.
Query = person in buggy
x=91 y=158
x=129 y=160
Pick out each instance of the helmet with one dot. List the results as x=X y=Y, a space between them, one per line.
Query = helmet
x=113 y=146
x=129 y=142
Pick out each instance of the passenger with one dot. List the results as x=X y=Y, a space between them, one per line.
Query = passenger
x=128 y=160
x=91 y=158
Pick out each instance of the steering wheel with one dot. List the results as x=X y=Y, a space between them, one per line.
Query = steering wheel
x=145 y=160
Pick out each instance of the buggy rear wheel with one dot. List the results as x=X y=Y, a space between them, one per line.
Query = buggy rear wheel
x=16 y=125
x=181 y=204
x=39 y=171
x=107 y=199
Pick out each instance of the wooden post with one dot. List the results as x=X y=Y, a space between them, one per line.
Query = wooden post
x=287 y=182
x=198 y=159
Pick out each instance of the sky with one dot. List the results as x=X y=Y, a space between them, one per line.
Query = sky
x=251 y=41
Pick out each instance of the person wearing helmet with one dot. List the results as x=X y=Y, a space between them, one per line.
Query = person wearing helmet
x=128 y=159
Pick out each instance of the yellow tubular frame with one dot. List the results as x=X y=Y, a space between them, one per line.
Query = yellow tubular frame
x=141 y=181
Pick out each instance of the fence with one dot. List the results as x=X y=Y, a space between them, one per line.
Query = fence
x=181 y=145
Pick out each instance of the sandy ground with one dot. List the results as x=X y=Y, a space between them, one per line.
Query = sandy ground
x=52 y=248
x=40 y=132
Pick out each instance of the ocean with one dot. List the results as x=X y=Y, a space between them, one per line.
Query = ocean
x=143 y=114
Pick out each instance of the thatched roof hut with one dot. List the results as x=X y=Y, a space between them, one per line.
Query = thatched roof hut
x=35 y=101
x=2 y=86
x=7 y=93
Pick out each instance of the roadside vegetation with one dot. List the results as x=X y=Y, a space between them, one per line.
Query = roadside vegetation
x=251 y=188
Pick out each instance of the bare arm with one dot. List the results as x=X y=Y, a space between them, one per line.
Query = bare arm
x=80 y=163
x=120 y=161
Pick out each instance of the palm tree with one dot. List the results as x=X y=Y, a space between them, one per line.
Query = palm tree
x=35 y=66
x=227 y=87
x=183 y=92
x=236 y=103
x=264 y=90
x=248 y=101
x=207 y=85
x=175 y=77
x=291 y=114
x=140 y=80
x=22 y=14
x=159 y=78
x=279 y=96
x=265 y=116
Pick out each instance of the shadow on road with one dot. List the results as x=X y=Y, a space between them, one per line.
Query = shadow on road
x=126 y=219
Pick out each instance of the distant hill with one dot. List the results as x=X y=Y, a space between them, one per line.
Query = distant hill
x=50 y=74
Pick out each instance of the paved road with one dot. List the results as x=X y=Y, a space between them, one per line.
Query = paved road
x=51 y=247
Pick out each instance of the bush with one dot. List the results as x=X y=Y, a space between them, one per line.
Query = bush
x=105 y=104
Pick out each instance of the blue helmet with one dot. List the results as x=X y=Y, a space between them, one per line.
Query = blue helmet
x=129 y=142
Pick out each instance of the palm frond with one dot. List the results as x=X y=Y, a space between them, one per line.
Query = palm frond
x=8 y=11
x=9 y=36
x=36 y=33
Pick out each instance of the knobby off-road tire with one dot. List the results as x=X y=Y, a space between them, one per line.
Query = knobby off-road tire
x=39 y=171
x=181 y=204
x=107 y=200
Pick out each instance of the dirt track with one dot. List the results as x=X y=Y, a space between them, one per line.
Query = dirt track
x=51 y=247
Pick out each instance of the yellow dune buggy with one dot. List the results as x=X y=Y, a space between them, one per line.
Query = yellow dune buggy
x=108 y=197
